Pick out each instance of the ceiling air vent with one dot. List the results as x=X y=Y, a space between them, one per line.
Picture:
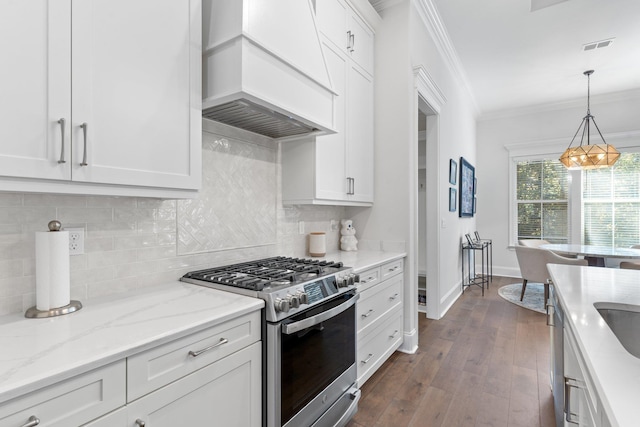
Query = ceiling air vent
x=597 y=45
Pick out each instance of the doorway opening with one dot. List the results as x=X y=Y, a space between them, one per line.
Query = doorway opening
x=427 y=201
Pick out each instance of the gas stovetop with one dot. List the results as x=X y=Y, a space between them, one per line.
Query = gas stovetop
x=287 y=285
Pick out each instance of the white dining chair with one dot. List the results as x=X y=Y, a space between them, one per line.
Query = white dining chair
x=533 y=266
x=533 y=243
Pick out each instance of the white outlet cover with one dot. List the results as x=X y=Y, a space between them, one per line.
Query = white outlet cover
x=76 y=240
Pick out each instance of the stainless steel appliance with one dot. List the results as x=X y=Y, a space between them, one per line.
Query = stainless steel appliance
x=555 y=319
x=310 y=335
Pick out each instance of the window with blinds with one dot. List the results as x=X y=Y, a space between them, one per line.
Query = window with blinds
x=611 y=203
x=542 y=188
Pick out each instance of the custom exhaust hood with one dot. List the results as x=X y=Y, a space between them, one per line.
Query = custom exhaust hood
x=264 y=69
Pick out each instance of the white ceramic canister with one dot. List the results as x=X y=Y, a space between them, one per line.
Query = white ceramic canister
x=317 y=244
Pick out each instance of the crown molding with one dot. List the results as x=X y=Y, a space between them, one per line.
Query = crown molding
x=432 y=21
x=627 y=95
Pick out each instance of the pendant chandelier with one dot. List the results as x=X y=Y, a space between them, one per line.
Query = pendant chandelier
x=589 y=156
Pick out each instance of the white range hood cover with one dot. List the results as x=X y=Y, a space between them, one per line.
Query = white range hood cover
x=264 y=69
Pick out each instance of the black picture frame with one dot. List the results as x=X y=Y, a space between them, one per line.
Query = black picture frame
x=467 y=177
x=453 y=198
x=453 y=171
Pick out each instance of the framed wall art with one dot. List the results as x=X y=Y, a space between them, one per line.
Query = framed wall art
x=453 y=198
x=467 y=177
x=453 y=171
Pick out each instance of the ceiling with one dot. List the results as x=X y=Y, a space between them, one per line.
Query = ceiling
x=515 y=57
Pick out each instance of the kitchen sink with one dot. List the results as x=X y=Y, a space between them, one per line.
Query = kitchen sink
x=624 y=321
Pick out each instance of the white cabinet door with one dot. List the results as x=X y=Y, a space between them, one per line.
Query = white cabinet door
x=331 y=166
x=225 y=393
x=35 y=46
x=133 y=88
x=360 y=156
x=332 y=18
x=361 y=43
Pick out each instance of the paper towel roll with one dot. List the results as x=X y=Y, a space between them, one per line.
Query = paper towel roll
x=52 y=270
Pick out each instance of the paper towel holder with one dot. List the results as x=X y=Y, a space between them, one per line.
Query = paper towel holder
x=34 y=313
x=74 y=305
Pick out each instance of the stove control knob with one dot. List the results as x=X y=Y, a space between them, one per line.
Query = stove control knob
x=341 y=282
x=281 y=304
x=302 y=296
x=351 y=280
x=294 y=301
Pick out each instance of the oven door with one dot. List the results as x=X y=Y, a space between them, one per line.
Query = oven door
x=311 y=365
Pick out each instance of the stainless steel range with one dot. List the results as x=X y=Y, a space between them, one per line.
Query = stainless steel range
x=310 y=340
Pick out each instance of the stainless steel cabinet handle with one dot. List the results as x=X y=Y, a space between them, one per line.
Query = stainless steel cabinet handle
x=394 y=296
x=211 y=347
x=348 y=40
x=550 y=313
x=367 y=359
x=393 y=335
x=353 y=42
x=353 y=186
x=367 y=314
x=62 y=123
x=84 y=156
x=140 y=423
x=394 y=268
x=32 y=421
x=570 y=384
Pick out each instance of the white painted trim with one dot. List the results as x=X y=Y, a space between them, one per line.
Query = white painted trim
x=410 y=343
x=428 y=88
x=606 y=98
x=451 y=297
x=431 y=18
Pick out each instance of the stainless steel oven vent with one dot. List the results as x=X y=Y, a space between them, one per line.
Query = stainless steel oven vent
x=255 y=118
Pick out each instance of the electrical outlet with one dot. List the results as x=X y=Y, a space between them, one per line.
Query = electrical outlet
x=76 y=241
x=300 y=227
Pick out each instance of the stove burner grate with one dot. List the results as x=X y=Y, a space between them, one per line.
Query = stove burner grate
x=256 y=275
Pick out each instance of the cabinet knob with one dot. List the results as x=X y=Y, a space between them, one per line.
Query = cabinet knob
x=140 y=423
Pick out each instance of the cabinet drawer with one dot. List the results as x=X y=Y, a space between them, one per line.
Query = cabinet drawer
x=392 y=268
x=72 y=402
x=375 y=302
x=159 y=366
x=376 y=348
x=225 y=393
x=369 y=278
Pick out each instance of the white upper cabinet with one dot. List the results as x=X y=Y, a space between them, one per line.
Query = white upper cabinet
x=126 y=79
x=341 y=24
x=35 y=84
x=338 y=169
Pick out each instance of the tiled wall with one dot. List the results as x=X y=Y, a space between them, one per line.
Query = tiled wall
x=134 y=242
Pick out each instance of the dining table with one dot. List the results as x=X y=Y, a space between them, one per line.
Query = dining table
x=594 y=254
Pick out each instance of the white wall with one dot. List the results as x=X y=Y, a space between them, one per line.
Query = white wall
x=402 y=43
x=550 y=125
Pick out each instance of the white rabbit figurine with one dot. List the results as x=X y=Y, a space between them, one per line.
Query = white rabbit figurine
x=348 y=241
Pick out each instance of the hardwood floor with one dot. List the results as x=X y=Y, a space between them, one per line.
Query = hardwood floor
x=486 y=363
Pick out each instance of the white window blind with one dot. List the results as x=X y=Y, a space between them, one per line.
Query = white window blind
x=542 y=188
x=611 y=203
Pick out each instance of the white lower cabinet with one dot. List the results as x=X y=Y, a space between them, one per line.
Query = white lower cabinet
x=71 y=402
x=225 y=393
x=379 y=315
x=210 y=377
x=581 y=402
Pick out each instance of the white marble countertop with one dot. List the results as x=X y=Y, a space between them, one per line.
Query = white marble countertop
x=39 y=352
x=593 y=250
x=615 y=372
x=363 y=260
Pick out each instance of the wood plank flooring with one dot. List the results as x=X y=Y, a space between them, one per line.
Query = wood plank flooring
x=486 y=363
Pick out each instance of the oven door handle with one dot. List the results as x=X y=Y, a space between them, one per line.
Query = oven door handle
x=291 y=328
